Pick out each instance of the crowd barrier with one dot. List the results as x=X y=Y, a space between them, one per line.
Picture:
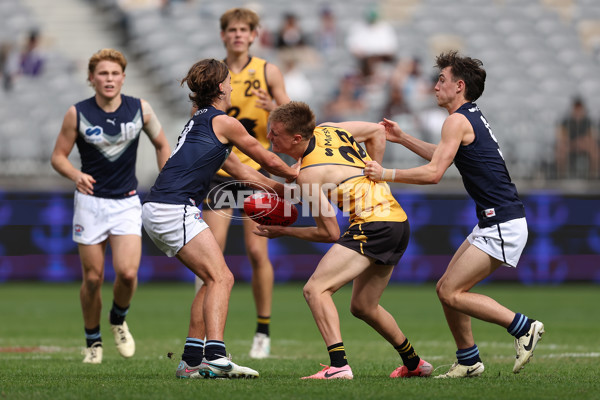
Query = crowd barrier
x=564 y=241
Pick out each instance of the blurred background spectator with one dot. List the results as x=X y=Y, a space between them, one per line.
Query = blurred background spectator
x=409 y=78
x=290 y=33
x=327 y=38
x=32 y=60
x=347 y=102
x=292 y=42
x=9 y=65
x=372 y=41
x=577 y=144
x=297 y=85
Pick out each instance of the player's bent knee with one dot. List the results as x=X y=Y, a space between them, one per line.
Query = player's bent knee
x=224 y=278
x=447 y=297
x=360 y=311
x=308 y=291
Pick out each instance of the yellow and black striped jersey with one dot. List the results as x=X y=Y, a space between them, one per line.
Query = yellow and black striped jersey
x=243 y=105
x=363 y=199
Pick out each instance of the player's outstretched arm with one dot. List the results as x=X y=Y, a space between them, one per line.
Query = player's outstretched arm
x=396 y=135
x=234 y=167
x=234 y=132
x=369 y=133
x=453 y=133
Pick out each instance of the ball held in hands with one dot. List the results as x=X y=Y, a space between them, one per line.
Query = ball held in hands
x=270 y=209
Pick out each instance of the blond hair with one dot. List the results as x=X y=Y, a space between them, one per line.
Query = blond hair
x=244 y=15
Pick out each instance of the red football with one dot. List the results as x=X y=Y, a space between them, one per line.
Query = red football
x=270 y=209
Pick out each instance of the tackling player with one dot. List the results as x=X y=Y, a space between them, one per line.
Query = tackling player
x=499 y=237
x=258 y=87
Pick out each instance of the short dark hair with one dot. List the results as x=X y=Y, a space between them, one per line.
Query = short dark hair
x=203 y=80
x=466 y=69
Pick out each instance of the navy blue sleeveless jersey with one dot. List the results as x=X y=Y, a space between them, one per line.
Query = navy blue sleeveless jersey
x=186 y=176
x=107 y=143
x=484 y=173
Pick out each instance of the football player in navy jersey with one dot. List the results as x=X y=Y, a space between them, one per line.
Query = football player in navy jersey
x=501 y=233
x=106 y=129
x=258 y=87
x=172 y=217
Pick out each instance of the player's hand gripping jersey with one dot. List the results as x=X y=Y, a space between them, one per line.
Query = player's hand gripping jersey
x=363 y=199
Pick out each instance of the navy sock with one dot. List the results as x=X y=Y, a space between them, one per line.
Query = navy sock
x=214 y=349
x=92 y=336
x=193 y=351
x=519 y=326
x=468 y=356
x=117 y=314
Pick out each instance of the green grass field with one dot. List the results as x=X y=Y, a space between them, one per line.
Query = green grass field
x=41 y=337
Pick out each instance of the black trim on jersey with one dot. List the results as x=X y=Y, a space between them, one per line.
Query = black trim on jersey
x=327 y=163
x=267 y=80
x=352 y=177
x=501 y=244
x=245 y=65
x=311 y=146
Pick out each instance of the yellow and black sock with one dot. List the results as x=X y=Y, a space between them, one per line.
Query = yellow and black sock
x=262 y=325
x=409 y=356
x=337 y=355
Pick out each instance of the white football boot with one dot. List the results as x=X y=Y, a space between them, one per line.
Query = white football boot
x=525 y=345
x=123 y=339
x=93 y=354
x=261 y=346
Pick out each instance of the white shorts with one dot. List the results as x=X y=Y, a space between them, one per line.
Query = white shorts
x=171 y=226
x=95 y=218
x=504 y=241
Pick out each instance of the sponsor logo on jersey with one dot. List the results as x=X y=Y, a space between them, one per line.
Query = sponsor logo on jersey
x=94 y=134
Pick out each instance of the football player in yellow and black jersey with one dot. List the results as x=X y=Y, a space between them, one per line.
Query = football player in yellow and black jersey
x=258 y=87
x=332 y=171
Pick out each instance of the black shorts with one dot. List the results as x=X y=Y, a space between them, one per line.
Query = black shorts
x=383 y=241
x=234 y=193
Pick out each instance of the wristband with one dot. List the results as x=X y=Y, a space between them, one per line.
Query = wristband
x=382 y=174
x=393 y=174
